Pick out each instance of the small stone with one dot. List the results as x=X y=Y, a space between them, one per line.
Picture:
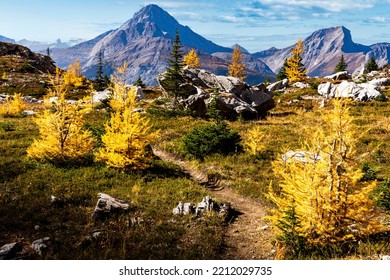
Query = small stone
x=385 y=258
x=36 y=227
x=40 y=245
x=8 y=251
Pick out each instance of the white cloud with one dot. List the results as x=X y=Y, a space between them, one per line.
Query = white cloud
x=377 y=19
x=331 y=6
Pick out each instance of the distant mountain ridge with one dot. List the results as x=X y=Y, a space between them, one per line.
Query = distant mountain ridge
x=323 y=50
x=37 y=46
x=144 y=42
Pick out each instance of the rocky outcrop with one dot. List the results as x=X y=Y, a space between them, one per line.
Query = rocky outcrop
x=206 y=205
x=37 y=62
x=359 y=92
x=278 y=85
x=344 y=75
x=235 y=98
x=8 y=251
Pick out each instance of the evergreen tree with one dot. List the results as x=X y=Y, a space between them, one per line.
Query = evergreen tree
x=99 y=80
x=371 y=65
x=237 y=67
x=174 y=74
x=341 y=66
x=295 y=70
x=282 y=72
x=212 y=111
x=139 y=83
x=192 y=59
x=48 y=51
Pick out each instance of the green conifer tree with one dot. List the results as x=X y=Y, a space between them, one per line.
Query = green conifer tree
x=282 y=72
x=371 y=65
x=139 y=83
x=99 y=80
x=174 y=74
x=341 y=66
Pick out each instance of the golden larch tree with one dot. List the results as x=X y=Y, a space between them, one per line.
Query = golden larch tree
x=295 y=70
x=128 y=135
x=13 y=106
x=62 y=138
x=254 y=140
x=73 y=76
x=322 y=200
x=237 y=66
x=191 y=59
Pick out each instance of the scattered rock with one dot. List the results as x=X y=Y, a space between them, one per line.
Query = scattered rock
x=385 y=258
x=8 y=251
x=359 y=92
x=236 y=98
x=100 y=96
x=301 y=156
x=344 y=75
x=139 y=94
x=107 y=205
x=28 y=113
x=380 y=82
x=40 y=246
x=278 y=85
x=301 y=85
x=36 y=227
x=206 y=205
x=264 y=228
x=183 y=209
x=56 y=202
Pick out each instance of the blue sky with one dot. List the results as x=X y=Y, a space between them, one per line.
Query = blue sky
x=256 y=25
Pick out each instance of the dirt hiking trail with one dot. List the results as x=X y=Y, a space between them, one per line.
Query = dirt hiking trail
x=247 y=237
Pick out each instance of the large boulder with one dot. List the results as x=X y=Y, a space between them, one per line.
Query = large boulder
x=236 y=97
x=343 y=75
x=359 y=92
x=232 y=107
x=8 y=251
x=108 y=205
x=278 y=85
x=196 y=103
x=380 y=82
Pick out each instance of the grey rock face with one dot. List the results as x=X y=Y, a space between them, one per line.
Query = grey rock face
x=301 y=156
x=278 y=85
x=344 y=75
x=236 y=98
x=359 y=92
x=107 y=205
x=40 y=246
x=8 y=251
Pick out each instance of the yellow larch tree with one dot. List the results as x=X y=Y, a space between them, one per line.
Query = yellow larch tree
x=191 y=59
x=322 y=200
x=295 y=70
x=13 y=106
x=254 y=140
x=237 y=66
x=73 y=76
x=127 y=137
x=62 y=138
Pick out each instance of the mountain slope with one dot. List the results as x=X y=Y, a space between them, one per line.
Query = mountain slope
x=6 y=40
x=144 y=42
x=323 y=50
x=23 y=71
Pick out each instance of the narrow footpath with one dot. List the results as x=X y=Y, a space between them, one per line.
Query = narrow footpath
x=248 y=236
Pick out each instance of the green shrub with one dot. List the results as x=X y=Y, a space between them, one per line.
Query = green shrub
x=211 y=139
x=369 y=174
x=382 y=194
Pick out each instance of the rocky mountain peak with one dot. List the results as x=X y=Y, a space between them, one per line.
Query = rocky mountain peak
x=241 y=48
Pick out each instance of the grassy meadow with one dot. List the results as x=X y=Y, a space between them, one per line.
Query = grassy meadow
x=149 y=230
